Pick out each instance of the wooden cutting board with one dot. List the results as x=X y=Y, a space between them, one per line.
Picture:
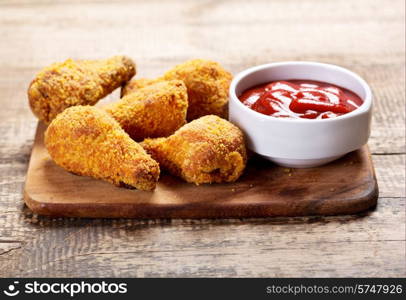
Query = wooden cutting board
x=345 y=186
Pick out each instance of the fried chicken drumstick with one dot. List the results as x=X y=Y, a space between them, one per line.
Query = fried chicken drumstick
x=87 y=141
x=76 y=82
x=209 y=149
x=156 y=110
x=207 y=84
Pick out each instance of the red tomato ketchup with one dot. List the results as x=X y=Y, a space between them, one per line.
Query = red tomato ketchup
x=300 y=99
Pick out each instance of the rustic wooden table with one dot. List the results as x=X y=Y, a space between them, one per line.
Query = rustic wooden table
x=365 y=36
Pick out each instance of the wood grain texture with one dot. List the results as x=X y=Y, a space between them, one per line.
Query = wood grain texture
x=321 y=246
x=367 y=36
x=345 y=186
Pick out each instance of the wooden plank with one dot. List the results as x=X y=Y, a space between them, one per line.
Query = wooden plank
x=371 y=244
x=263 y=190
x=390 y=170
x=14 y=157
x=366 y=36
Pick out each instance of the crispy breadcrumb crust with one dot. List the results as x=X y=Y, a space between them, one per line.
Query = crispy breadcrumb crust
x=76 y=82
x=209 y=149
x=156 y=110
x=207 y=85
x=136 y=84
x=87 y=141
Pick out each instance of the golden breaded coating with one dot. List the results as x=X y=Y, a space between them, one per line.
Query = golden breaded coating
x=156 y=110
x=87 y=141
x=207 y=85
x=135 y=85
x=209 y=149
x=76 y=82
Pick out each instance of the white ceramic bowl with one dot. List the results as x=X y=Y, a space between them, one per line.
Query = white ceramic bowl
x=301 y=143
